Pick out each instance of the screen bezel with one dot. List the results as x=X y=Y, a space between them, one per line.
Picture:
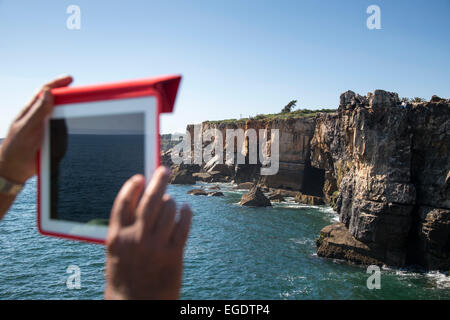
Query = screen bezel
x=148 y=105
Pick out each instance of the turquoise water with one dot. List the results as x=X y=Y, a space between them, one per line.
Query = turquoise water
x=232 y=253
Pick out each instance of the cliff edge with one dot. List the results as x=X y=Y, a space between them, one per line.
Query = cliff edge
x=387 y=172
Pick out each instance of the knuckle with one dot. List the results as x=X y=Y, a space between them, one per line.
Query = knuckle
x=150 y=200
x=168 y=199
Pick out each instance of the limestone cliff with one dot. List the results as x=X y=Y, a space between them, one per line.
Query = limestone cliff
x=387 y=168
x=295 y=171
x=383 y=165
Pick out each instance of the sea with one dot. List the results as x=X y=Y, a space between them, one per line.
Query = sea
x=233 y=252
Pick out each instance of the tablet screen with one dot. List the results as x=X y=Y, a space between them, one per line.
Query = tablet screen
x=90 y=159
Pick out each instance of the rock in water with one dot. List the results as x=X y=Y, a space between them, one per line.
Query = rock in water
x=182 y=174
x=276 y=197
x=337 y=243
x=255 y=198
x=215 y=194
x=182 y=177
x=307 y=199
x=244 y=185
x=198 y=192
x=202 y=176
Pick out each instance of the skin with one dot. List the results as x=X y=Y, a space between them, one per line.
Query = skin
x=18 y=150
x=146 y=238
x=145 y=242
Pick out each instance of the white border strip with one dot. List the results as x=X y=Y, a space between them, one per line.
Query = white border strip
x=146 y=105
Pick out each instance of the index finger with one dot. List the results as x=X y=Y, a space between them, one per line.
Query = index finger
x=150 y=204
x=59 y=82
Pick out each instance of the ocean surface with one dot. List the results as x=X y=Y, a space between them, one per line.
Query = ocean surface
x=233 y=252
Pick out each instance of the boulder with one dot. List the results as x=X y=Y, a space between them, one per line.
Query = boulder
x=217 y=176
x=222 y=169
x=197 y=192
x=336 y=242
x=276 y=197
x=202 y=176
x=255 y=198
x=307 y=199
x=215 y=194
x=284 y=193
x=182 y=176
x=244 y=186
x=183 y=173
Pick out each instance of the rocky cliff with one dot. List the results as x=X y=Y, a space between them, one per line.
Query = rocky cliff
x=383 y=165
x=387 y=168
x=295 y=170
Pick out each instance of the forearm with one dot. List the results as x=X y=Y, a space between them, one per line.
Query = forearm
x=6 y=202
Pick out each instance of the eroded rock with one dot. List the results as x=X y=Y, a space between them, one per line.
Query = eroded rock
x=383 y=162
x=197 y=192
x=216 y=194
x=255 y=198
x=244 y=186
x=183 y=174
x=307 y=199
x=276 y=197
x=336 y=242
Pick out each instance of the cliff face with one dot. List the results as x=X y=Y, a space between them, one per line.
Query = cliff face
x=384 y=166
x=295 y=171
x=387 y=168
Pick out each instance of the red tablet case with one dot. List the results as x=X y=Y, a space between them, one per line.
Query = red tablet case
x=163 y=88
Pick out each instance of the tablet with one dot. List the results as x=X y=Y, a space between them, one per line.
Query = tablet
x=96 y=139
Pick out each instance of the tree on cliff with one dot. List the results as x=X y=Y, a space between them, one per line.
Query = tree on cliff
x=288 y=108
x=415 y=99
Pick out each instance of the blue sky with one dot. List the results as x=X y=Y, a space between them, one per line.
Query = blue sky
x=236 y=57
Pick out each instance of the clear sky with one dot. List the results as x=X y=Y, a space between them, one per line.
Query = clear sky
x=236 y=57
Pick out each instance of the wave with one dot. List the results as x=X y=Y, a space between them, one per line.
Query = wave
x=441 y=280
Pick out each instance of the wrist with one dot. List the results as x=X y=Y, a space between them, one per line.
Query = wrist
x=10 y=173
x=9 y=188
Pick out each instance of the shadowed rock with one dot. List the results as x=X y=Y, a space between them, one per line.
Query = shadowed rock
x=183 y=174
x=386 y=169
x=202 y=176
x=255 y=198
x=307 y=199
x=198 y=192
x=215 y=194
x=244 y=185
x=337 y=243
x=276 y=197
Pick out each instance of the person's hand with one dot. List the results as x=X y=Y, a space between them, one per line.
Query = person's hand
x=18 y=150
x=145 y=241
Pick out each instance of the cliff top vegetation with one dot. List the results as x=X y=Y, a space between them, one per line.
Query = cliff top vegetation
x=301 y=113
